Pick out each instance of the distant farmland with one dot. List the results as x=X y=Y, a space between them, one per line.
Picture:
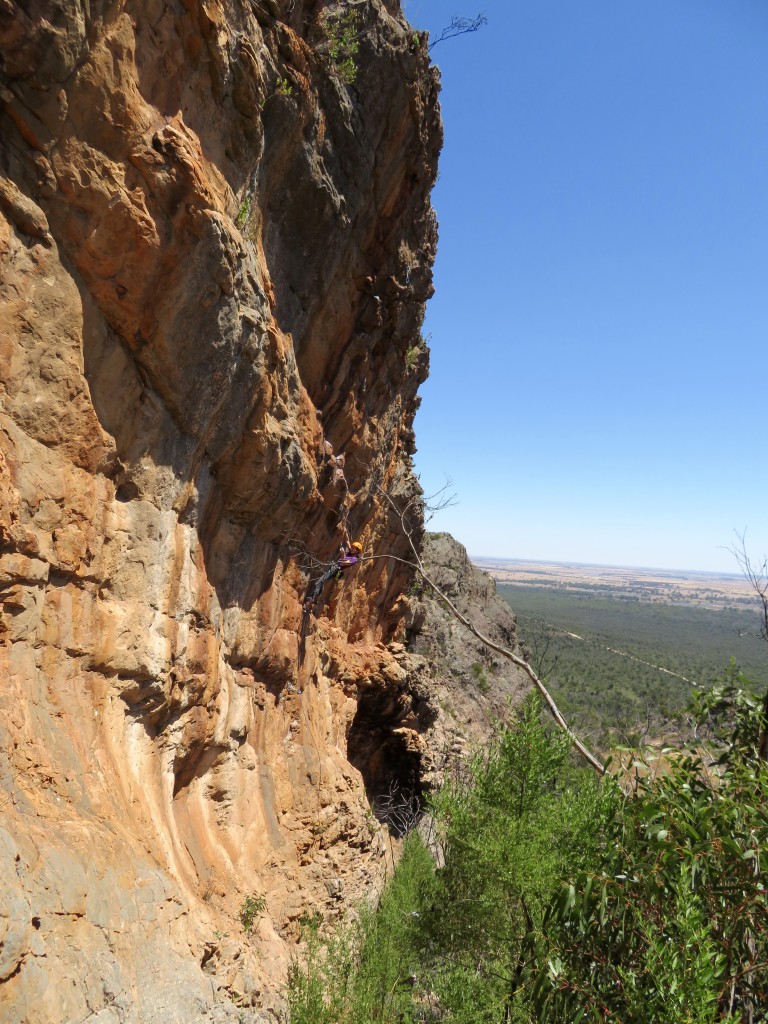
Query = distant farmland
x=619 y=658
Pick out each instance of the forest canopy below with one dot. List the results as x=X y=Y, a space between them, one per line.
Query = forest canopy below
x=624 y=671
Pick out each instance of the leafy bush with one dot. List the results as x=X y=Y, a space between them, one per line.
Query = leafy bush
x=253 y=907
x=283 y=87
x=343 y=36
x=671 y=924
x=243 y=213
x=521 y=818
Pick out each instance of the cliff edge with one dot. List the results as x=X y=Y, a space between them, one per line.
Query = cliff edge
x=473 y=687
x=215 y=246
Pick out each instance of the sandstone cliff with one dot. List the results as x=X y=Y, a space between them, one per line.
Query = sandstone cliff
x=214 y=254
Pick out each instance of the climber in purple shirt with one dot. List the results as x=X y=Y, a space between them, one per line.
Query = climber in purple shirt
x=348 y=557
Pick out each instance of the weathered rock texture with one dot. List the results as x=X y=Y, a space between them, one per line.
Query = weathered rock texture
x=473 y=686
x=214 y=255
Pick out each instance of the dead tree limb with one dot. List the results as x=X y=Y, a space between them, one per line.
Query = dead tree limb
x=756 y=574
x=521 y=663
x=459 y=27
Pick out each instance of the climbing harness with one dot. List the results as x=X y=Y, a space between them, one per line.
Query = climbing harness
x=334 y=571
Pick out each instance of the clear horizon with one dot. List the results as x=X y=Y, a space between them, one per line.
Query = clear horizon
x=599 y=330
x=604 y=565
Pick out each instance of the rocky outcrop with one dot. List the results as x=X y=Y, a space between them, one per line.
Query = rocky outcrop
x=214 y=254
x=411 y=730
x=474 y=687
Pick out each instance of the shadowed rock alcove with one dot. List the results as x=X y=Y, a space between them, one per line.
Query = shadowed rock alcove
x=383 y=744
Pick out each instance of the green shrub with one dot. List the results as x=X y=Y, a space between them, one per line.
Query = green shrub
x=253 y=907
x=671 y=923
x=342 y=30
x=480 y=677
x=243 y=213
x=523 y=817
x=363 y=971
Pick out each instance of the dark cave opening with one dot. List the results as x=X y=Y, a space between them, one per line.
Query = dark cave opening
x=380 y=744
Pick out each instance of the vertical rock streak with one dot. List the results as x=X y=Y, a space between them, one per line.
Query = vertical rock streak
x=214 y=254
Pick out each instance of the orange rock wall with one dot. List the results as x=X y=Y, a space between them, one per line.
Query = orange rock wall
x=214 y=255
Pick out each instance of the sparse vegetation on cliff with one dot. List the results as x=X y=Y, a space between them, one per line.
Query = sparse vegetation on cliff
x=252 y=909
x=343 y=30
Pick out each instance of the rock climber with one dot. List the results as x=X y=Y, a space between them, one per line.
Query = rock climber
x=349 y=556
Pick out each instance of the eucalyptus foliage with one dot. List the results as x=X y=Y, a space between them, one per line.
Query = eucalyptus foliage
x=671 y=924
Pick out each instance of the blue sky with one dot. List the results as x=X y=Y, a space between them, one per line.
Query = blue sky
x=599 y=331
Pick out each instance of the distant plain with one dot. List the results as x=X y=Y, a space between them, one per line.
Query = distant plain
x=665 y=586
x=622 y=649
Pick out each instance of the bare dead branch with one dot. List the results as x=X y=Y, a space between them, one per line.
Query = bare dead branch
x=441 y=499
x=756 y=574
x=400 y=809
x=521 y=663
x=304 y=558
x=459 y=27
x=539 y=636
x=635 y=732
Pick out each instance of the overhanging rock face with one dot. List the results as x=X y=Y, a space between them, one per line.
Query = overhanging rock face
x=214 y=254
